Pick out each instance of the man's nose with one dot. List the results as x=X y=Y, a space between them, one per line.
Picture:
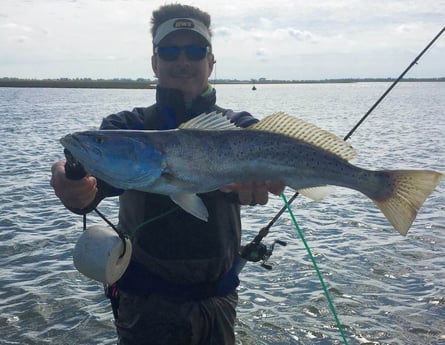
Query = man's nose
x=182 y=58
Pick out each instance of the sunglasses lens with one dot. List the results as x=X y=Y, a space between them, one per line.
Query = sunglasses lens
x=195 y=53
x=171 y=53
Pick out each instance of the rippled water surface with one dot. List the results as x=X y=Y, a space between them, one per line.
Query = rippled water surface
x=387 y=289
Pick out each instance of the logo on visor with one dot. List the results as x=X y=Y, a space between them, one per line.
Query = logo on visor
x=183 y=24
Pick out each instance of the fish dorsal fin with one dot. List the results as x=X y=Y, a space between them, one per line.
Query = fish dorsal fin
x=290 y=126
x=209 y=121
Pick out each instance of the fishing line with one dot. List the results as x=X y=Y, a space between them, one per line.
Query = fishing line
x=314 y=263
x=151 y=220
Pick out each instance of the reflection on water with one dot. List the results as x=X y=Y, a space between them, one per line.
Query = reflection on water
x=387 y=289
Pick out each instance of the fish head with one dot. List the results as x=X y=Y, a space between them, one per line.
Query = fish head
x=123 y=159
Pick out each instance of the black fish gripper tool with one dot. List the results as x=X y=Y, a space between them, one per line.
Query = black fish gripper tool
x=73 y=169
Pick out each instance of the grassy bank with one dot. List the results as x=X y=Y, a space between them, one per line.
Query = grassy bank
x=74 y=83
x=148 y=84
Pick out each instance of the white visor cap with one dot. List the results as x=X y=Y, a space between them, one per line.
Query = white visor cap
x=176 y=24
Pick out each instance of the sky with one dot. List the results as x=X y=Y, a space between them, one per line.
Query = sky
x=272 y=39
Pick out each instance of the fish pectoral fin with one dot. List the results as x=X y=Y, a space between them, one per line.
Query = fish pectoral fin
x=317 y=193
x=212 y=121
x=192 y=204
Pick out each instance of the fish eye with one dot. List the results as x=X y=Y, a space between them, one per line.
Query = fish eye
x=100 y=139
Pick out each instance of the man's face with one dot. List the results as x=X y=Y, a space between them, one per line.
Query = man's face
x=191 y=77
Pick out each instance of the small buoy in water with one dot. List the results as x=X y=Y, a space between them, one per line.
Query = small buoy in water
x=98 y=254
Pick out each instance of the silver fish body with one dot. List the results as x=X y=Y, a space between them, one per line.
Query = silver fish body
x=187 y=161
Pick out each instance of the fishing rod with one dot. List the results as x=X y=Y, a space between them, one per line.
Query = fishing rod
x=257 y=250
x=265 y=230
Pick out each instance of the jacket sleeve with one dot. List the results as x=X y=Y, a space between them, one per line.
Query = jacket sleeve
x=124 y=120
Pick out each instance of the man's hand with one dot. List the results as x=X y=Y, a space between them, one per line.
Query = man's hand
x=253 y=193
x=72 y=193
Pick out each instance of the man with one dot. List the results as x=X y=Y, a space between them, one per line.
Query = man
x=180 y=287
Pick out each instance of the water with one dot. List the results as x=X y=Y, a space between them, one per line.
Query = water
x=387 y=289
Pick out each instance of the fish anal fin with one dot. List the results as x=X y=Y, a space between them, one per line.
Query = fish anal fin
x=191 y=203
x=411 y=188
x=293 y=127
x=317 y=193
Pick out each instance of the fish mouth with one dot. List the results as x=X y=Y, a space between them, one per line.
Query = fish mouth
x=67 y=141
x=78 y=149
x=71 y=143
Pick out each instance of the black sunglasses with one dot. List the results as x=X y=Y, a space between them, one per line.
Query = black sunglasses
x=171 y=53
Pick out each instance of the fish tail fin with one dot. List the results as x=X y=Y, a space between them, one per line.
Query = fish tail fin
x=409 y=192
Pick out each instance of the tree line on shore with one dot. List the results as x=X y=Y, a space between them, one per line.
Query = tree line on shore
x=141 y=83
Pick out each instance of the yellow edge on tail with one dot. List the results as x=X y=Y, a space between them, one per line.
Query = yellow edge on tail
x=411 y=188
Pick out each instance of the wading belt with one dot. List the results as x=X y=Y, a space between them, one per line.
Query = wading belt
x=140 y=282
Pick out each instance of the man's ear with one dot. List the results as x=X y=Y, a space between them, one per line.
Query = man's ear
x=154 y=64
x=211 y=60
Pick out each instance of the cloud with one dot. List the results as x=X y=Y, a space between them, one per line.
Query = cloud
x=262 y=54
x=222 y=32
x=304 y=36
x=273 y=38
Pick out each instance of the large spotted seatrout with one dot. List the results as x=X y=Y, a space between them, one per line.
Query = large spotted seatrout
x=208 y=153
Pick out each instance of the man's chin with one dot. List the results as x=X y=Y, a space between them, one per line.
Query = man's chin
x=188 y=86
x=183 y=76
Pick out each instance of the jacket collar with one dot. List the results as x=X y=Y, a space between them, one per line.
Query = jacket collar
x=174 y=110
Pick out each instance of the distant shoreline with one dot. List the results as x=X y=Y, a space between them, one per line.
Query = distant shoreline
x=148 y=84
x=77 y=84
